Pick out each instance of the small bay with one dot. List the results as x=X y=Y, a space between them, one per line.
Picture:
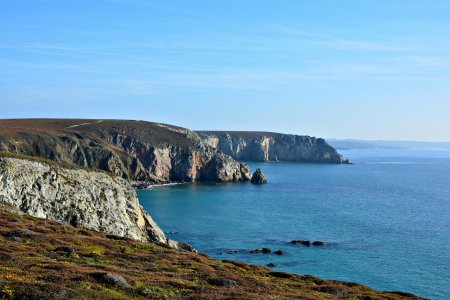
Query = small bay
x=385 y=219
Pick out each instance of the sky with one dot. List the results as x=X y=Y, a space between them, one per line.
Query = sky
x=375 y=69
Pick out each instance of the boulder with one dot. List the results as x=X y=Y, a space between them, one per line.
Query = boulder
x=111 y=279
x=279 y=252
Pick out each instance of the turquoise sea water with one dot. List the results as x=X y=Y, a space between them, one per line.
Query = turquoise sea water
x=386 y=219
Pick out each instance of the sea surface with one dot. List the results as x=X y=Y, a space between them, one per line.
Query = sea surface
x=385 y=219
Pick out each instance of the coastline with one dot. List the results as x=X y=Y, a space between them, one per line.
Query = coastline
x=50 y=260
x=148 y=186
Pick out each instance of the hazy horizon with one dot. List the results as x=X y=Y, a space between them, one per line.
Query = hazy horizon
x=343 y=70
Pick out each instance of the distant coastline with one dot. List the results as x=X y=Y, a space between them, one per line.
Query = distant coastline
x=346 y=144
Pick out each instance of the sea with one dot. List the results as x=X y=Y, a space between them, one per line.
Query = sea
x=385 y=219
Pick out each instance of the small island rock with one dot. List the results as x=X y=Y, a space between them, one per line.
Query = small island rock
x=259 y=177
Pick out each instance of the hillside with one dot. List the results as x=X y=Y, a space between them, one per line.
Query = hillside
x=83 y=198
x=271 y=146
x=142 y=152
x=42 y=259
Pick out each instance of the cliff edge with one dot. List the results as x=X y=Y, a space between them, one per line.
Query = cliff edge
x=270 y=146
x=90 y=199
x=141 y=152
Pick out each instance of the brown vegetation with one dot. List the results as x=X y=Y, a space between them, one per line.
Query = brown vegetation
x=41 y=259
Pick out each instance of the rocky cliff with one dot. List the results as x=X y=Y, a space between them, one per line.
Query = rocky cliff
x=142 y=152
x=269 y=146
x=90 y=199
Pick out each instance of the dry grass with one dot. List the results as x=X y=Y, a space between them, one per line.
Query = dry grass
x=31 y=268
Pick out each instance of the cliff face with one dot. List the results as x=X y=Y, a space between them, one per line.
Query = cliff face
x=268 y=146
x=139 y=151
x=88 y=199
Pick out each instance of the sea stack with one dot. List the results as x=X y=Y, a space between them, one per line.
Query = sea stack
x=259 y=177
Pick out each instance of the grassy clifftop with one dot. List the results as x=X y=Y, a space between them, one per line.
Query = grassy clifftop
x=41 y=259
x=142 y=152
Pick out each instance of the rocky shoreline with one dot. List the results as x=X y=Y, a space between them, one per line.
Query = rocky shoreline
x=84 y=175
x=42 y=259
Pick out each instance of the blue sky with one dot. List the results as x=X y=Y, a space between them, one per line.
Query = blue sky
x=342 y=69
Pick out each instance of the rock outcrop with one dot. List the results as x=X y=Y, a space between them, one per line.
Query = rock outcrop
x=90 y=199
x=259 y=177
x=141 y=152
x=269 y=146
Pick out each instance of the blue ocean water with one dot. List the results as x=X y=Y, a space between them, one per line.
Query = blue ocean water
x=386 y=219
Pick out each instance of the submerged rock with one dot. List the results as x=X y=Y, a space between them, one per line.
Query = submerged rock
x=318 y=243
x=262 y=250
x=259 y=177
x=302 y=242
x=279 y=252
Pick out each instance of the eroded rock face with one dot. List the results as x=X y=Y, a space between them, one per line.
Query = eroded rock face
x=89 y=199
x=142 y=152
x=268 y=146
x=259 y=177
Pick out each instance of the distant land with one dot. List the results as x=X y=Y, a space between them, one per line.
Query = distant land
x=380 y=144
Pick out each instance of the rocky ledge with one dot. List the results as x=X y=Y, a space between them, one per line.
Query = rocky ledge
x=90 y=199
x=270 y=146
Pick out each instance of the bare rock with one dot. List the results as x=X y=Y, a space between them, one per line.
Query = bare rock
x=259 y=177
x=111 y=279
x=90 y=199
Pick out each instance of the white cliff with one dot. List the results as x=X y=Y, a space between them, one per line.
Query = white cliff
x=90 y=199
